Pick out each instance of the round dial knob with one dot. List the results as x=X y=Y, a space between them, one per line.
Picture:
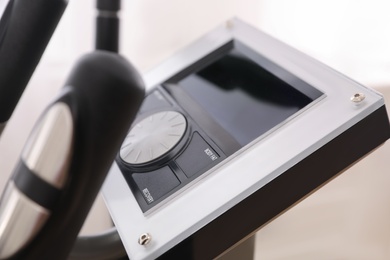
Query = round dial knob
x=153 y=137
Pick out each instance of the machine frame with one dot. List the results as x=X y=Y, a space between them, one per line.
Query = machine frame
x=254 y=185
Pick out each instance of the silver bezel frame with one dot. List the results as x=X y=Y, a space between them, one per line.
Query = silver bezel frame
x=267 y=158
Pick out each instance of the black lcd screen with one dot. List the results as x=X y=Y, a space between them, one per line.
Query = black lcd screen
x=244 y=98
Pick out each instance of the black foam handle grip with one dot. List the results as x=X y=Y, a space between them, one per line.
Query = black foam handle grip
x=107 y=25
x=104 y=93
x=107 y=33
x=108 y=5
x=26 y=33
x=5 y=19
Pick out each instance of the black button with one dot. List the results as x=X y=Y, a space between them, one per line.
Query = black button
x=153 y=101
x=198 y=156
x=154 y=185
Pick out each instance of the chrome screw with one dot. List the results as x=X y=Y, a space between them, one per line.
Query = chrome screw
x=358 y=97
x=144 y=239
x=229 y=24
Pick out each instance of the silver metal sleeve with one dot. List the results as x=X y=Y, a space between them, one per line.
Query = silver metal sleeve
x=47 y=153
x=20 y=220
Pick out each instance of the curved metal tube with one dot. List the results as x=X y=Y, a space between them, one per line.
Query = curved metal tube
x=104 y=246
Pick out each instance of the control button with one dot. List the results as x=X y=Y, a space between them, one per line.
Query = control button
x=154 y=185
x=153 y=101
x=153 y=137
x=198 y=156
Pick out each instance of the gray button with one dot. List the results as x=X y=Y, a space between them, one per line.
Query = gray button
x=154 y=185
x=197 y=157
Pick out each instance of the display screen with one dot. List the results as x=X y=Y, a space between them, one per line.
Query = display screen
x=244 y=98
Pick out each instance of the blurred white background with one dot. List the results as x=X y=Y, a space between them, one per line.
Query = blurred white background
x=349 y=218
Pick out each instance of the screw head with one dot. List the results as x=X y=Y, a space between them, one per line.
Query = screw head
x=229 y=24
x=358 y=97
x=144 y=239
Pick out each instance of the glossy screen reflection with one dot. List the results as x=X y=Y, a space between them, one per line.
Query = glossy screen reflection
x=242 y=97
